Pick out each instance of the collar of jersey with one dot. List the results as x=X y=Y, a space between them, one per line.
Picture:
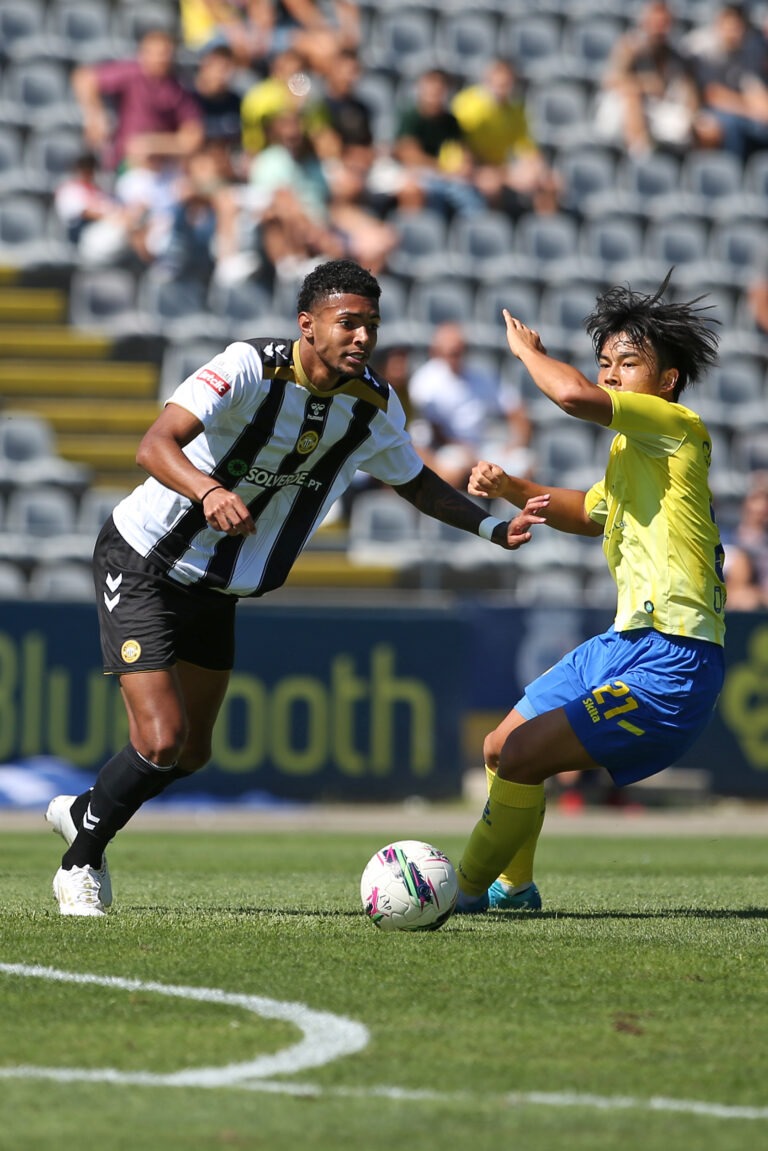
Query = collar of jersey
x=356 y=387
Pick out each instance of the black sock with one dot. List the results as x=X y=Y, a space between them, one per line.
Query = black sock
x=121 y=787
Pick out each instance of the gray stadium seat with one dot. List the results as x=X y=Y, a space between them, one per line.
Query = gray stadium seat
x=21 y=22
x=585 y=172
x=422 y=243
x=384 y=529
x=559 y=113
x=481 y=245
x=433 y=302
x=466 y=41
x=533 y=43
x=65 y=580
x=402 y=40
x=37 y=94
x=13 y=581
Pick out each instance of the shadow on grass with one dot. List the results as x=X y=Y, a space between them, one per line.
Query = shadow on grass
x=744 y=913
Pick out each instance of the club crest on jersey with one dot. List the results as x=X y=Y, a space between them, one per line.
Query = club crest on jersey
x=307 y=443
x=130 y=651
x=215 y=381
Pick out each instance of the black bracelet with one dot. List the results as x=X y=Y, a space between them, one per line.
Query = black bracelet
x=215 y=488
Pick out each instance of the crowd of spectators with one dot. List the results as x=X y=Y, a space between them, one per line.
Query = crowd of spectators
x=241 y=143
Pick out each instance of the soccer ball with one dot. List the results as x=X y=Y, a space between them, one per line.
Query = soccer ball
x=409 y=886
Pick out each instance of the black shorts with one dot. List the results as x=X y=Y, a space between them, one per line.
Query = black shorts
x=148 y=622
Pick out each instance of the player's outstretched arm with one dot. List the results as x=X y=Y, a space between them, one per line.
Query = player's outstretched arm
x=433 y=496
x=561 y=383
x=564 y=509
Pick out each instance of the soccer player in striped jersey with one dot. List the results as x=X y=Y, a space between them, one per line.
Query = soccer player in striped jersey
x=247 y=457
x=633 y=699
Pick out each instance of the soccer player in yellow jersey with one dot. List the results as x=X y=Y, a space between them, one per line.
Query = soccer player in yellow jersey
x=633 y=699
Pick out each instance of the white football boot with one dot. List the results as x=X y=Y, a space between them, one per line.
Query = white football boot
x=60 y=818
x=78 y=891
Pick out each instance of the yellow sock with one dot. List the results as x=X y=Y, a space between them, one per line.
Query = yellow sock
x=518 y=872
x=511 y=816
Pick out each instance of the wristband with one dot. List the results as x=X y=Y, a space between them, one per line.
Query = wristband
x=486 y=527
x=215 y=488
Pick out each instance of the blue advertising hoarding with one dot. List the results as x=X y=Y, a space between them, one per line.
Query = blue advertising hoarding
x=360 y=704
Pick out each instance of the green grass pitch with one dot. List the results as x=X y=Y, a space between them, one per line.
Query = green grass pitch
x=630 y=1014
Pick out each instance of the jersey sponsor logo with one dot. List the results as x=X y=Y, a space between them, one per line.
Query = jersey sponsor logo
x=237 y=468
x=130 y=651
x=307 y=443
x=264 y=479
x=215 y=381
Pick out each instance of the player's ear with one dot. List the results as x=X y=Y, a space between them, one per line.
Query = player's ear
x=306 y=325
x=669 y=380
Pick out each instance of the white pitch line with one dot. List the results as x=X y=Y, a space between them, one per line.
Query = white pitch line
x=326 y=1037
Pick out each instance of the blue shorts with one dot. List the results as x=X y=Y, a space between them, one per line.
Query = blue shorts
x=637 y=700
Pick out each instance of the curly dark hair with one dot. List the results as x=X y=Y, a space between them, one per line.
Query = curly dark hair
x=680 y=334
x=334 y=278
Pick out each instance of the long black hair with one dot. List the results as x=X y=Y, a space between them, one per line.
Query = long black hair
x=680 y=334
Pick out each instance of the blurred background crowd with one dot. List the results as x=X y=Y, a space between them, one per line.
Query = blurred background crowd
x=179 y=167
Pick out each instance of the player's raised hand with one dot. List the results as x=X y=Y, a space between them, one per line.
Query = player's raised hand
x=487 y=480
x=520 y=337
x=518 y=529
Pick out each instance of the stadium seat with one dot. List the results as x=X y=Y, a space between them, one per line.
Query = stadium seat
x=182 y=359
x=21 y=22
x=37 y=94
x=11 y=151
x=13 y=581
x=433 y=302
x=563 y=310
x=585 y=172
x=519 y=297
x=384 y=530
x=49 y=155
x=402 y=40
x=465 y=42
x=481 y=245
x=66 y=580
x=588 y=41
x=105 y=298
x=422 y=243
x=561 y=447
x=543 y=244
x=378 y=90
x=132 y=18
x=559 y=113
x=35 y=517
x=240 y=304
x=611 y=240
x=639 y=182
x=533 y=43
x=673 y=242
x=83 y=32
x=28 y=455
x=178 y=308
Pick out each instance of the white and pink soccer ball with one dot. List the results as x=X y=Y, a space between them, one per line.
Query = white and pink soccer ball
x=409 y=886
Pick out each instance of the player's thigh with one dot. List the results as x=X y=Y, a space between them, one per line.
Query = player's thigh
x=539 y=748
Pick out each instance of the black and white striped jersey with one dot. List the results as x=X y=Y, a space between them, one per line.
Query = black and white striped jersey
x=287 y=449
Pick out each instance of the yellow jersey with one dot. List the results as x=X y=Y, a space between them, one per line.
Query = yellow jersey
x=660 y=539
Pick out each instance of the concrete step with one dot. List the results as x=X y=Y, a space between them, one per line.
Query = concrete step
x=52 y=341
x=79 y=378
x=21 y=305
x=126 y=417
